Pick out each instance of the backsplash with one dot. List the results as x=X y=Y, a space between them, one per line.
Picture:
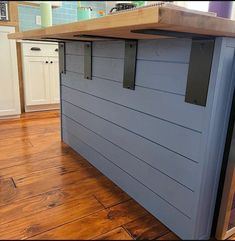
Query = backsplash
x=65 y=14
x=95 y=5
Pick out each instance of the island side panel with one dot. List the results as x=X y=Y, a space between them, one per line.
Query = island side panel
x=215 y=130
x=148 y=141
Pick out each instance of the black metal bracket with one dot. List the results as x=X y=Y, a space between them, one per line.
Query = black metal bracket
x=88 y=60
x=62 y=59
x=199 y=71
x=130 y=64
x=199 y=65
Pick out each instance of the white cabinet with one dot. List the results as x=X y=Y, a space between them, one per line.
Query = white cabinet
x=9 y=82
x=41 y=76
x=36 y=79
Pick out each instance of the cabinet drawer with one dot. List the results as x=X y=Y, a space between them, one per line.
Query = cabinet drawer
x=31 y=49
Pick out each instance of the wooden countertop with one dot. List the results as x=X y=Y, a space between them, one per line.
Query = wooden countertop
x=119 y=25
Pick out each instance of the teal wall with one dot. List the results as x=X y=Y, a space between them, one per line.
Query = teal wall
x=65 y=14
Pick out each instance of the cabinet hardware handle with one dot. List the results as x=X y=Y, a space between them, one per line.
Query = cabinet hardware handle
x=51 y=62
x=35 y=49
x=56 y=50
x=46 y=62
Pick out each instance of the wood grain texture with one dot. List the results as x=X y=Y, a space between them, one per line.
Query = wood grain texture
x=45 y=220
x=116 y=234
x=146 y=227
x=119 y=25
x=8 y=190
x=102 y=222
x=169 y=236
x=45 y=192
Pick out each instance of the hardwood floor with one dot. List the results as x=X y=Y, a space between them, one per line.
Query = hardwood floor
x=47 y=191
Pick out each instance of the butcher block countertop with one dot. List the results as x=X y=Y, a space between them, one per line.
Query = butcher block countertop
x=120 y=25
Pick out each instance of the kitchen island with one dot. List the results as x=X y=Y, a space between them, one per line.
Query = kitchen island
x=146 y=97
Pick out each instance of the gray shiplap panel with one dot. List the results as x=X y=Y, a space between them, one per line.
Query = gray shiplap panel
x=180 y=224
x=75 y=48
x=109 y=49
x=160 y=74
x=230 y=42
x=170 y=50
x=172 y=192
x=183 y=141
x=211 y=121
x=220 y=111
x=162 y=105
x=175 y=166
x=108 y=68
x=108 y=62
x=75 y=63
x=154 y=75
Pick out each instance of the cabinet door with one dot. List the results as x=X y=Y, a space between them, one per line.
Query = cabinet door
x=9 y=82
x=54 y=80
x=37 y=80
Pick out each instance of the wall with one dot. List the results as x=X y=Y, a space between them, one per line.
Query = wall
x=65 y=14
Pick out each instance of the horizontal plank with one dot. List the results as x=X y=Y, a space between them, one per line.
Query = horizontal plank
x=35 y=184
x=95 y=224
x=54 y=151
x=175 y=166
x=116 y=234
x=155 y=205
x=149 y=74
x=101 y=187
x=8 y=190
x=146 y=228
x=156 y=130
x=156 y=103
x=169 y=190
x=171 y=50
x=66 y=161
x=29 y=226
x=169 y=77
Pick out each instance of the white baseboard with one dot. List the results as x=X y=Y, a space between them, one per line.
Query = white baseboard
x=9 y=117
x=42 y=107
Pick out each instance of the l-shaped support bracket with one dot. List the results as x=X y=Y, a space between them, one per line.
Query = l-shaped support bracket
x=200 y=63
x=88 y=60
x=62 y=59
x=130 y=64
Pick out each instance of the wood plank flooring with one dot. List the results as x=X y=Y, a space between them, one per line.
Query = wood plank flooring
x=47 y=191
